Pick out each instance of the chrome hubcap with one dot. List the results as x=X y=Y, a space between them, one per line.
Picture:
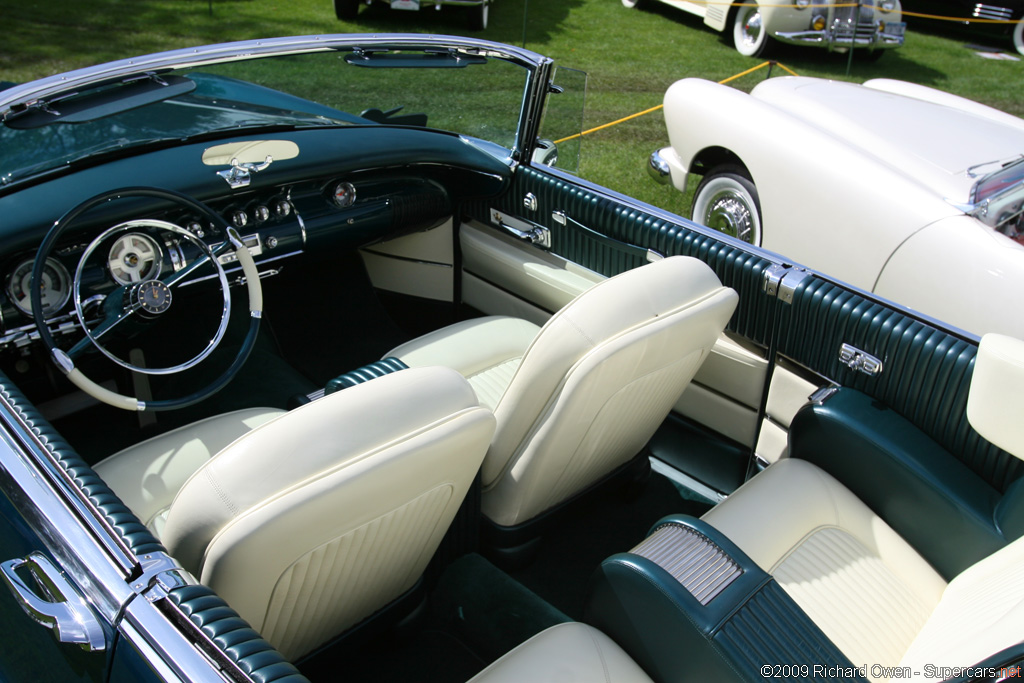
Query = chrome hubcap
x=728 y=213
x=752 y=28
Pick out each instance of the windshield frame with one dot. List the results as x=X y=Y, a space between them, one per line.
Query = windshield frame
x=15 y=100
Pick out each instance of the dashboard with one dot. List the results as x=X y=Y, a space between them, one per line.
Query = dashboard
x=341 y=190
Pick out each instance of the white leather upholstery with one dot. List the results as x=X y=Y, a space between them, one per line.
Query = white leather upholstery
x=486 y=351
x=864 y=586
x=583 y=394
x=981 y=613
x=312 y=521
x=993 y=403
x=566 y=653
x=148 y=475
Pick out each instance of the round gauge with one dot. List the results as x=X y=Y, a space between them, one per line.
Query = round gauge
x=55 y=286
x=344 y=195
x=134 y=257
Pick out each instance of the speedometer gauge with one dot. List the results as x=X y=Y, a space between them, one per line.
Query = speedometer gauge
x=55 y=287
x=133 y=258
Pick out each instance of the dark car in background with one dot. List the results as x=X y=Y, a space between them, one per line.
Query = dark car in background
x=1001 y=21
x=477 y=11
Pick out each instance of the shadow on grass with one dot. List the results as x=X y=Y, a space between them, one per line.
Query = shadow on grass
x=818 y=62
x=46 y=38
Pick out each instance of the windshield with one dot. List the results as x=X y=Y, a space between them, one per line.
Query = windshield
x=480 y=97
x=999 y=199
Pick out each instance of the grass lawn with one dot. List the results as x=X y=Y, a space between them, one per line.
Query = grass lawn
x=631 y=56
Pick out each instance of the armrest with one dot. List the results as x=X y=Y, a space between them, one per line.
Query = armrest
x=927 y=495
x=379 y=368
x=687 y=604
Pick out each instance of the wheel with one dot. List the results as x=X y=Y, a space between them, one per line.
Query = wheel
x=727 y=201
x=748 y=34
x=1018 y=36
x=144 y=297
x=346 y=10
x=631 y=3
x=478 y=16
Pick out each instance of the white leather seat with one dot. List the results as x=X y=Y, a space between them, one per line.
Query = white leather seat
x=867 y=589
x=307 y=522
x=582 y=395
x=566 y=653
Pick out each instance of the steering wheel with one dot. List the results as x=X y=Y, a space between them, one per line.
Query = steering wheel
x=148 y=299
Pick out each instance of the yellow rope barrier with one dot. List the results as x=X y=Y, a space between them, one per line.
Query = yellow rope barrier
x=781 y=66
x=660 y=106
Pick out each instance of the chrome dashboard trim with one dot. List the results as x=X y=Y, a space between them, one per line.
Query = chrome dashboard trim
x=207 y=251
x=229 y=271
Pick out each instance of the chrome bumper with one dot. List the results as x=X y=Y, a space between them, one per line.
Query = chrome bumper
x=659 y=169
x=844 y=34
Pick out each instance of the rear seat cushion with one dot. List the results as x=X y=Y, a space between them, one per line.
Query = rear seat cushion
x=566 y=653
x=486 y=351
x=824 y=546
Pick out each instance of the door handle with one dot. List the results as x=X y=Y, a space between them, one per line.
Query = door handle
x=53 y=602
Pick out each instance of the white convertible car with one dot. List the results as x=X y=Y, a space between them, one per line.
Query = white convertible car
x=900 y=189
x=756 y=24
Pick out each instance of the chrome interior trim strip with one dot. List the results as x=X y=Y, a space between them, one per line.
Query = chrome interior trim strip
x=704 y=569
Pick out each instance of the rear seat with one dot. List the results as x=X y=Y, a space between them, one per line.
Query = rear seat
x=567 y=653
x=793 y=575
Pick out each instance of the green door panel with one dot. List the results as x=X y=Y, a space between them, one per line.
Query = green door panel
x=926 y=370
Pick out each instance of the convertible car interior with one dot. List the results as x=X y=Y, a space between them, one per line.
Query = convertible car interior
x=329 y=391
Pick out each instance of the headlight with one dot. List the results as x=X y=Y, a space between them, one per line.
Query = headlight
x=887 y=5
x=818 y=22
x=801 y=4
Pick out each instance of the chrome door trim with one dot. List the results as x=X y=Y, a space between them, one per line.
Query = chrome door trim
x=30 y=446
x=62 y=608
x=161 y=643
x=82 y=556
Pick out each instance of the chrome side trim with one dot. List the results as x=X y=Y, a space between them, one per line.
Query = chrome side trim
x=172 y=654
x=703 y=569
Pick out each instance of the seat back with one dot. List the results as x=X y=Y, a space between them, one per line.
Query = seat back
x=313 y=521
x=982 y=609
x=596 y=382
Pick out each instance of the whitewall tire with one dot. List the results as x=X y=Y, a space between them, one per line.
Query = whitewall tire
x=726 y=200
x=748 y=32
x=1018 y=36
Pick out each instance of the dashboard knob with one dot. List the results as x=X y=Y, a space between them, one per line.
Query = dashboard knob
x=261 y=213
x=196 y=228
x=240 y=219
x=283 y=209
